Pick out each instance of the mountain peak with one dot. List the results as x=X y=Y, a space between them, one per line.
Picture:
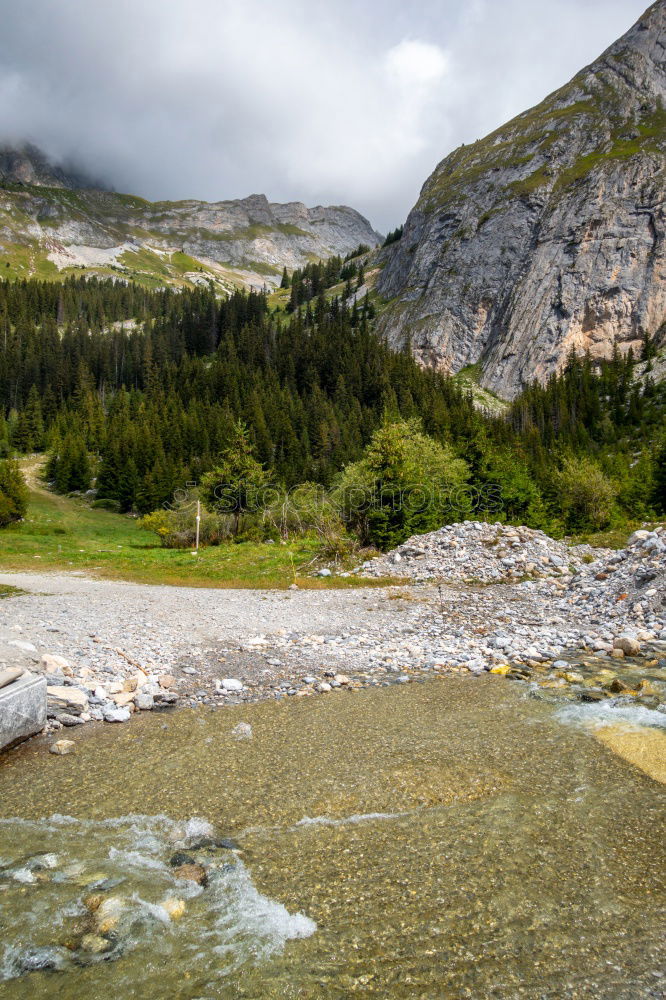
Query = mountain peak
x=548 y=235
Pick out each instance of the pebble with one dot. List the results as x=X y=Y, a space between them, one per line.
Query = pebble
x=232 y=684
x=62 y=747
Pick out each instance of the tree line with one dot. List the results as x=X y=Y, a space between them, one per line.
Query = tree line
x=139 y=393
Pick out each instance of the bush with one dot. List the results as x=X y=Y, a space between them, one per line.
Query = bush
x=176 y=527
x=106 y=504
x=586 y=495
x=13 y=493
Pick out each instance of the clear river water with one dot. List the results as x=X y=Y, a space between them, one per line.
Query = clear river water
x=456 y=838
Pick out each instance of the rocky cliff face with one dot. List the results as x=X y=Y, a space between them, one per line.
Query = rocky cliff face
x=25 y=164
x=547 y=235
x=52 y=220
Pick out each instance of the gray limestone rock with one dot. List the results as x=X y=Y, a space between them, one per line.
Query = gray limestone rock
x=548 y=234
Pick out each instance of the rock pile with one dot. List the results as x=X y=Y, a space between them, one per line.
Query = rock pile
x=475 y=551
x=78 y=697
x=628 y=584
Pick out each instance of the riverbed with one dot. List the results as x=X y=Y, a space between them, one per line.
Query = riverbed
x=445 y=839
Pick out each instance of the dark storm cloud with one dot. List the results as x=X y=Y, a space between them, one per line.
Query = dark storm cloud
x=325 y=103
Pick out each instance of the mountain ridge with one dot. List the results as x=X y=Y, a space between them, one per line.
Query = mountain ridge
x=53 y=222
x=548 y=234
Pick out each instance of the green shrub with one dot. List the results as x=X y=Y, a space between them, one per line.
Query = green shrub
x=176 y=527
x=105 y=504
x=586 y=495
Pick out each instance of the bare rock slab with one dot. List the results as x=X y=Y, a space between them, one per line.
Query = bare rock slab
x=22 y=709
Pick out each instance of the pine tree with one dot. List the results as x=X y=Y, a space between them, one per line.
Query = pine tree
x=13 y=492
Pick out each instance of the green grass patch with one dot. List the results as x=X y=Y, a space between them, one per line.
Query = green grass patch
x=7 y=591
x=469 y=379
x=289 y=229
x=65 y=534
x=612 y=538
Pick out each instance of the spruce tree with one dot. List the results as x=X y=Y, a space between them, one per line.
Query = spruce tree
x=13 y=492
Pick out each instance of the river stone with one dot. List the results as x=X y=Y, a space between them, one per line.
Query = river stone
x=630 y=647
x=116 y=715
x=192 y=873
x=10 y=675
x=95 y=944
x=242 y=731
x=144 y=702
x=108 y=913
x=70 y=699
x=25 y=647
x=174 y=907
x=50 y=663
x=40 y=960
x=66 y=719
x=232 y=684
x=179 y=859
x=123 y=699
x=62 y=747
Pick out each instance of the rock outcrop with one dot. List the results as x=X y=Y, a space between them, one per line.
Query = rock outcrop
x=52 y=220
x=25 y=164
x=547 y=236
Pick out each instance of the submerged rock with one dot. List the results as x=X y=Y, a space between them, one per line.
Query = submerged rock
x=95 y=944
x=174 y=907
x=40 y=960
x=192 y=873
x=242 y=731
x=180 y=858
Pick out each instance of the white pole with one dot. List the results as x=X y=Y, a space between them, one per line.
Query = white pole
x=198 y=522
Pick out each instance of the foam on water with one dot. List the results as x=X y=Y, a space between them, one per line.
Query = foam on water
x=356 y=818
x=224 y=926
x=608 y=713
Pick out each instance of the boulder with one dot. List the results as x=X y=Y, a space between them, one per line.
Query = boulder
x=67 y=699
x=630 y=647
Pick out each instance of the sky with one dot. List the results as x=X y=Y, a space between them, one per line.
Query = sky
x=328 y=103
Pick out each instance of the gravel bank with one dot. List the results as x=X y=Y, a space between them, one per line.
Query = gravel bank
x=112 y=648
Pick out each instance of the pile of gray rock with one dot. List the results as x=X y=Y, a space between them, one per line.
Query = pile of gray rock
x=77 y=697
x=628 y=584
x=475 y=551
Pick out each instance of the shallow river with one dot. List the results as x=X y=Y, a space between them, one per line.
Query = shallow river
x=451 y=839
